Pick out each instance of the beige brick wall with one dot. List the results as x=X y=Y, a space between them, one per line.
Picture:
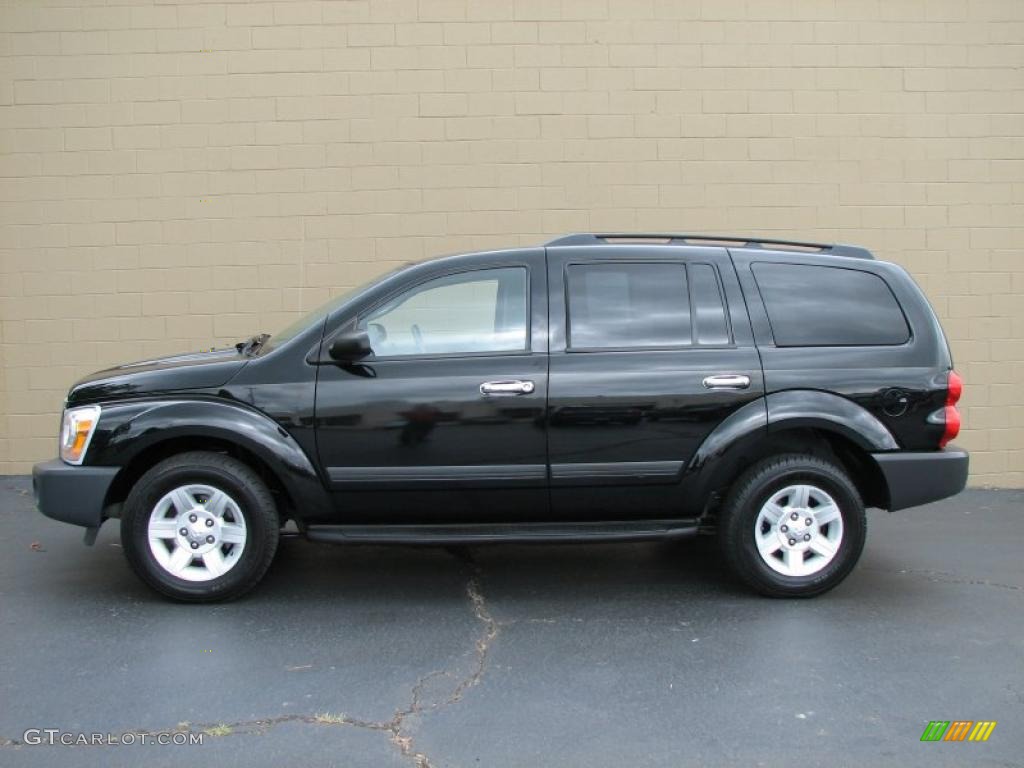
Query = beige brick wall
x=176 y=175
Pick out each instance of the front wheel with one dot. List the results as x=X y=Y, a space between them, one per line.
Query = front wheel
x=200 y=527
x=793 y=526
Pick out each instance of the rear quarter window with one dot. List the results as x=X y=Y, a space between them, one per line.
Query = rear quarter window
x=821 y=306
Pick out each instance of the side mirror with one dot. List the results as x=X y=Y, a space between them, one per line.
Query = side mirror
x=349 y=347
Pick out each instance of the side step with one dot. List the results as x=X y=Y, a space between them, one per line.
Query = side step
x=493 y=533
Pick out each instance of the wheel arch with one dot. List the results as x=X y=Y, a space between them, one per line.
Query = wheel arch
x=843 y=434
x=136 y=436
x=149 y=457
x=831 y=413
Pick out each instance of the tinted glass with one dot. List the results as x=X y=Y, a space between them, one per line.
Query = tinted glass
x=628 y=305
x=811 y=306
x=481 y=311
x=710 y=325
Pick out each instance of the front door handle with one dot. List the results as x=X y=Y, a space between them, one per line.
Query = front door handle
x=727 y=381
x=511 y=387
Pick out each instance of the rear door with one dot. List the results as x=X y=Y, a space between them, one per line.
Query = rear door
x=650 y=350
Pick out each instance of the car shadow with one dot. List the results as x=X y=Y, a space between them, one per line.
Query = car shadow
x=521 y=572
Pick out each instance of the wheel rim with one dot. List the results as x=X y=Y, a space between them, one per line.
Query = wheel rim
x=799 y=530
x=197 y=532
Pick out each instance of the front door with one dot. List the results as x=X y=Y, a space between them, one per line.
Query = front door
x=650 y=350
x=444 y=422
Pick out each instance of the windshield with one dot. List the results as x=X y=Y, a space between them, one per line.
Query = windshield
x=317 y=315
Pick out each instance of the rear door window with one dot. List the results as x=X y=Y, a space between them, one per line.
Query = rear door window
x=823 y=306
x=709 y=321
x=640 y=305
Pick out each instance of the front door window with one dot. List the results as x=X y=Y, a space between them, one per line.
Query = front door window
x=469 y=312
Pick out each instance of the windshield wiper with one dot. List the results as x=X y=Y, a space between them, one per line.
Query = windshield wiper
x=252 y=346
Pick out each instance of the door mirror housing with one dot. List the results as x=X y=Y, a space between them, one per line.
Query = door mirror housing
x=351 y=346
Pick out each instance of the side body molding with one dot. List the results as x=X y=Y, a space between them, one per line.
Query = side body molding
x=813 y=408
x=127 y=429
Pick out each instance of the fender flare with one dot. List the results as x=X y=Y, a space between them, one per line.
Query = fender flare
x=823 y=410
x=775 y=413
x=746 y=421
x=126 y=429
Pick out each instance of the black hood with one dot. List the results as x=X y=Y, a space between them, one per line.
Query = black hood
x=197 y=370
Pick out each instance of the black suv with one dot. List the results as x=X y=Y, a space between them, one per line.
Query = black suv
x=603 y=387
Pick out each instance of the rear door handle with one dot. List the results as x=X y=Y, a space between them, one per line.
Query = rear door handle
x=510 y=387
x=727 y=381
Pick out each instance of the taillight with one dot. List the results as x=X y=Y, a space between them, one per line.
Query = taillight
x=954 y=388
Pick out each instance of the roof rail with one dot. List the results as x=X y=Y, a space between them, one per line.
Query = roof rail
x=739 y=241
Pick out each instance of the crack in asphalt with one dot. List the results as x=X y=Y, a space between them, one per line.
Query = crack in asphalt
x=396 y=726
x=951 y=578
x=482 y=650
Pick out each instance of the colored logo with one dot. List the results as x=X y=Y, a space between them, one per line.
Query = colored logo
x=958 y=730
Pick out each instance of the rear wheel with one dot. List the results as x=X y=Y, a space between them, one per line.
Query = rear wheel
x=200 y=527
x=793 y=526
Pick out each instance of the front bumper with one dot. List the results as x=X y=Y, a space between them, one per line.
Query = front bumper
x=918 y=478
x=72 y=494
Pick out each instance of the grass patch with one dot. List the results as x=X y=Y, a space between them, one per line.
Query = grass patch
x=328 y=718
x=218 y=730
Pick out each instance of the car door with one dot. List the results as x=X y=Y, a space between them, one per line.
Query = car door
x=651 y=349
x=444 y=421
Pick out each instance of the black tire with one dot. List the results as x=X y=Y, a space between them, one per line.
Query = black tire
x=220 y=471
x=754 y=488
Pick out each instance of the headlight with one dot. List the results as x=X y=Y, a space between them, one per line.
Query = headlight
x=76 y=432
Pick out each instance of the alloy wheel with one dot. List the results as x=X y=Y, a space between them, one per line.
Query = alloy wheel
x=196 y=532
x=799 y=530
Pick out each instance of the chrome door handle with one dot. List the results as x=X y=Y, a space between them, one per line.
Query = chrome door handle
x=511 y=387
x=727 y=381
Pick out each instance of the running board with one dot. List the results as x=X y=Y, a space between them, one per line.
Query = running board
x=493 y=533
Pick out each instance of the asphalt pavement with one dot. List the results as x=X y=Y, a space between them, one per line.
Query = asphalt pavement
x=603 y=655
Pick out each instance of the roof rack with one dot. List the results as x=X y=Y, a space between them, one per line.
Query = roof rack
x=671 y=238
